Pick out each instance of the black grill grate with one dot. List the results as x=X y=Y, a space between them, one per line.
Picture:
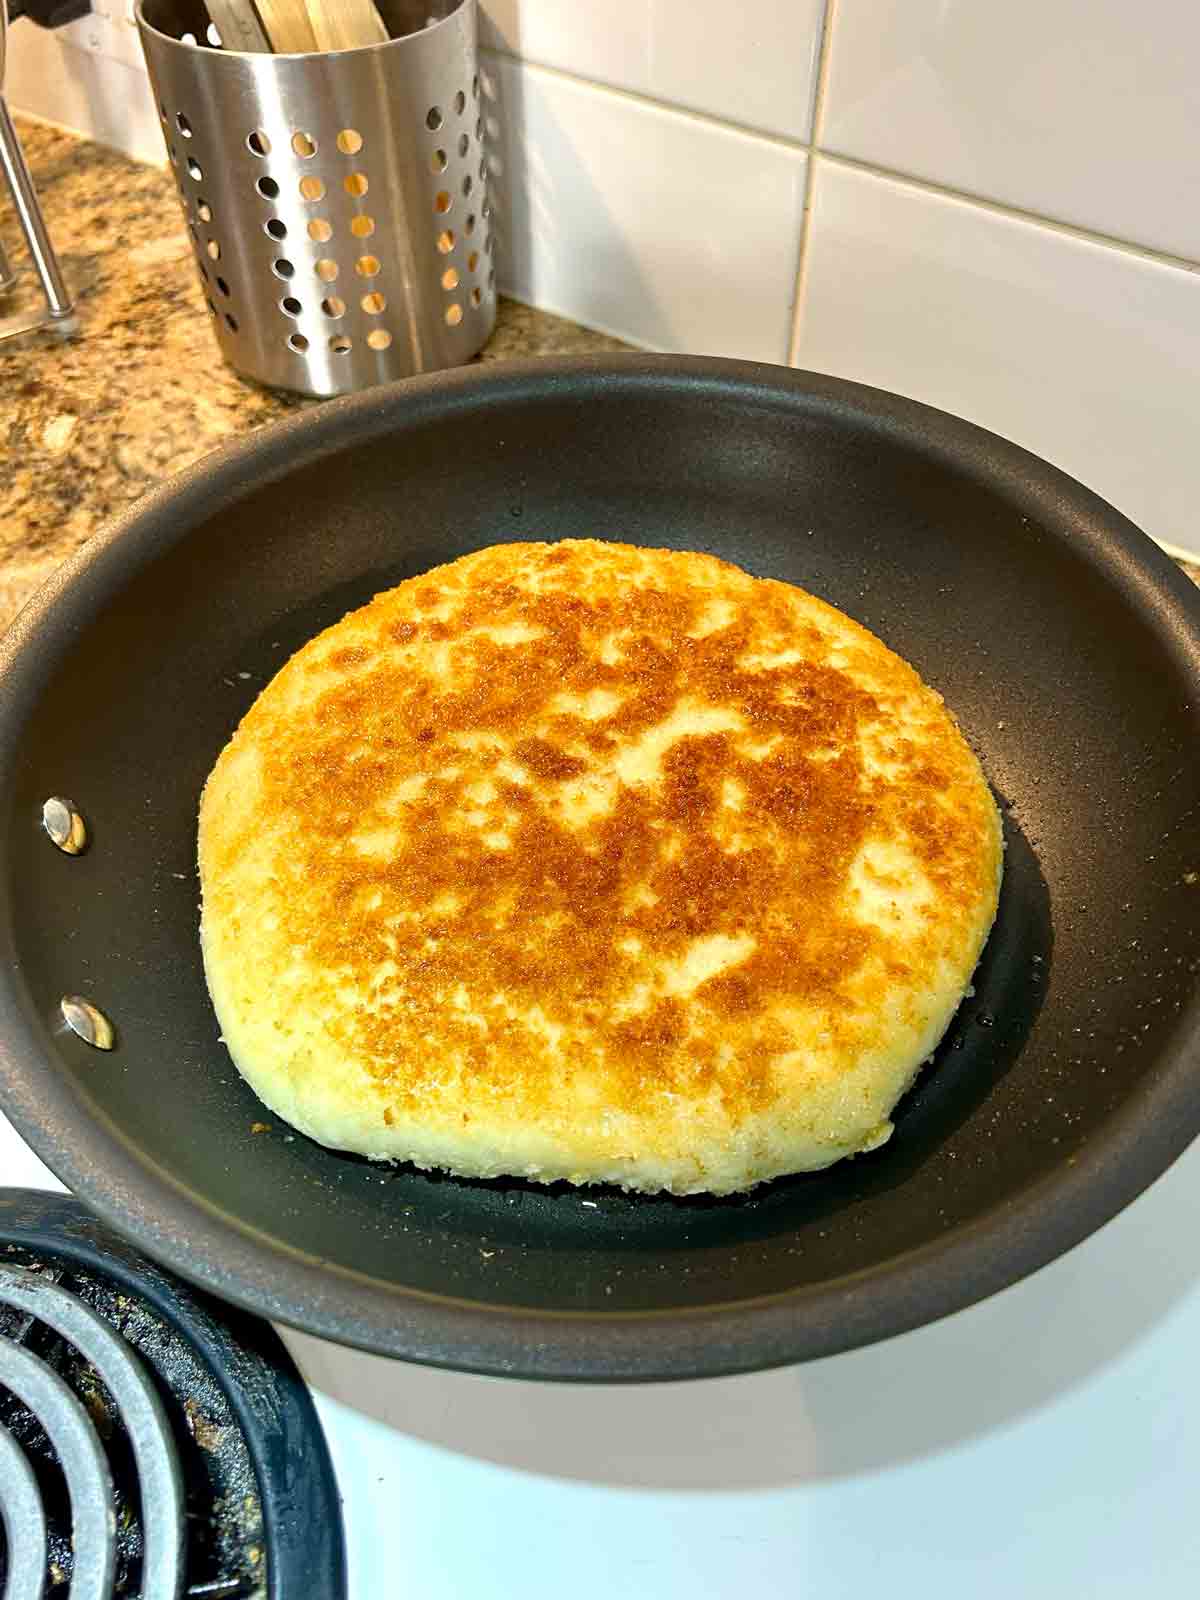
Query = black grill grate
x=153 y=1444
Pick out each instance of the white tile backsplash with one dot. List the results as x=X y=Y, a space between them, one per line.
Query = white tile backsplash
x=1086 y=111
x=105 y=99
x=673 y=231
x=1087 y=355
x=755 y=66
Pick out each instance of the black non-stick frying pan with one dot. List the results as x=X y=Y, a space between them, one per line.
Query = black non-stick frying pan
x=1064 y=641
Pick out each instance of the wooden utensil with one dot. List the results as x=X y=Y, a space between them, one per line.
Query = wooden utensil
x=287 y=26
x=237 y=23
x=345 y=24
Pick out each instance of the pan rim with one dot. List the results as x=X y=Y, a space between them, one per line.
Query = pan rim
x=194 y=1237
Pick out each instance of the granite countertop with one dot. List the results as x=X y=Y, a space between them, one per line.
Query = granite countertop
x=88 y=424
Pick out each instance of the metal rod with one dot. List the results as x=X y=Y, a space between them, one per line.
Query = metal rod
x=29 y=215
x=7 y=276
x=24 y=1522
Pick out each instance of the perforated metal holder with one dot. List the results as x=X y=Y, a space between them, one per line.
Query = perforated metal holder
x=338 y=204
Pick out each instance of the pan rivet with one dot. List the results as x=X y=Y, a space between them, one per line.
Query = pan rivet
x=87 y=1021
x=64 y=825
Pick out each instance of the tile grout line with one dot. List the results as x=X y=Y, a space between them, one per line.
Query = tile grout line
x=815 y=151
x=998 y=208
x=674 y=108
x=810 y=177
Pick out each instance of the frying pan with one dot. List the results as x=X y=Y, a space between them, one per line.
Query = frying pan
x=1067 y=645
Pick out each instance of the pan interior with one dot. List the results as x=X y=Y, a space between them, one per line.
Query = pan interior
x=1073 y=700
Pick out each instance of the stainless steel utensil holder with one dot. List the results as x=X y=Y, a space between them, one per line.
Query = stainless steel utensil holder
x=338 y=204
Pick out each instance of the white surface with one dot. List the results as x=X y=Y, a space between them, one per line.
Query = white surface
x=755 y=66
x=1046 y=1442
x=1087 y=355
x=667 y=229
x=69 y=81
x=1087 y=111
x=109 y=29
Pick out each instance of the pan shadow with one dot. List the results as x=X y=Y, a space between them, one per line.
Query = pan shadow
x=863 y=1412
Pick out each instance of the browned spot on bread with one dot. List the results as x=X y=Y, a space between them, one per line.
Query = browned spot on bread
x=547 y=761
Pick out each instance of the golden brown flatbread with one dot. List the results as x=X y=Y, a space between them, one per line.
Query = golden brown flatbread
x=594 y=862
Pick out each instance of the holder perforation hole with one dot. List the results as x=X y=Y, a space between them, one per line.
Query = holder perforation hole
x=320 y=229
x=367 y=266
x=275 y=228
x=341 y=344
x=257 y=143
x=379 y=339
x=454 y=314
x=333 y=306
x=268 y=188
x=312 y=188
x=304 y=144
x=355 y=183
x=445 y=241
x=373 y=303
x=362 y=227
x=291 y=305
x=434 y=118
x=326 y=269
x=298 y=343
x=349 y=141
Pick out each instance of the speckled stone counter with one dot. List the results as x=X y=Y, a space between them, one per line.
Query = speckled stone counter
x=89 y=424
